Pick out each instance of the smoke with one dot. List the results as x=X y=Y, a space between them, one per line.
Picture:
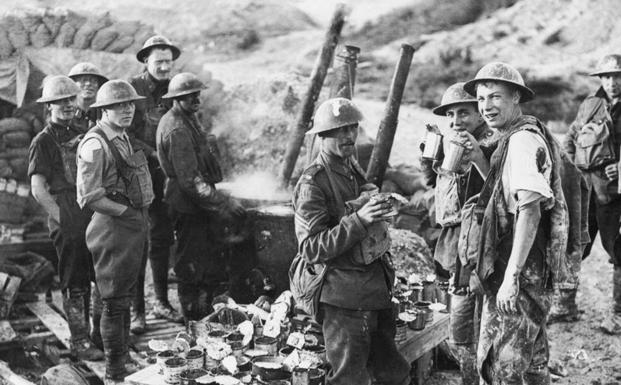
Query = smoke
x=258 y=185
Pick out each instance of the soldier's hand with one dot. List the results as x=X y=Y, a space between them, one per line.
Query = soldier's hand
x=611 y=171
x=473 y=150
x=506 y=299
x=374 y=210
x=433 y=128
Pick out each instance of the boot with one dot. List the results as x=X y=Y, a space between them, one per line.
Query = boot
x=138 y=322
x=131 y=365
x=164 y=310
x=564 y=308
x=612 y=323
x=74 y=304
x=96 y=309
x=113 y=325
x=468 y=365
x=188 y=299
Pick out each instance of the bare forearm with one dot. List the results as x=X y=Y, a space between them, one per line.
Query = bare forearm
x=43 y=196
x=526 y=225
x=108 y=207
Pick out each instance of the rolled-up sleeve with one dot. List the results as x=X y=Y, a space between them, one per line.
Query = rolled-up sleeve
x=318 y=242
x=91 y=162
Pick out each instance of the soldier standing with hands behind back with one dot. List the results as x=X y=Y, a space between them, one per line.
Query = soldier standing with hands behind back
x=158 y=54
x=335 y=219
x=592 y=142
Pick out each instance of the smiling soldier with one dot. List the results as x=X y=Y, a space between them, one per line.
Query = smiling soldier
x=89 y=78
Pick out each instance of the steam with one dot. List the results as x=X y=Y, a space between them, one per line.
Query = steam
x=258 y=185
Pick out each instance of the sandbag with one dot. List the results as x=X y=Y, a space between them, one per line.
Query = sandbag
x=53 y=20
x=6 y=48
x=14 y=153
x=41 y=37
x=65 y=35
x=18 y=35
x=126 y=32
x=103 y=38
x=143 y=33
x=20 y=168
x=87 y=31
x=13 y=125
x=16 y=139
x=5 y=169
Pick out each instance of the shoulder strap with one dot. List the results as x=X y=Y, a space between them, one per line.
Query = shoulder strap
x=121 y=164
x=337 y=194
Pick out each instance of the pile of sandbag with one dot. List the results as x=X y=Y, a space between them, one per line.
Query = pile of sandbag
x=67 y=29
x=15 y=137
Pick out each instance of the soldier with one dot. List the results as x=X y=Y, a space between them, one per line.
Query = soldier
x=592 y=142
x=89 y=78
x=158 y=54
x=521 y=250
x=333 y=220
x=113 y=180
x=188 y=159
x=451 y=191
x=52 y=171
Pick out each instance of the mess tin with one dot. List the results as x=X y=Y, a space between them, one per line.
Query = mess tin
x=454 y=156
x=433 y=146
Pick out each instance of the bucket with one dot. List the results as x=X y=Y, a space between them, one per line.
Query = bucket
x=173 y=368
x=195 y=359
x=161 y=357
x=419 y=322
x=268 y=344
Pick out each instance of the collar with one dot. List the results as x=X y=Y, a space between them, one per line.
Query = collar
x=153 y=83
x=111 y=133
x=59 y=127
x=338 y=164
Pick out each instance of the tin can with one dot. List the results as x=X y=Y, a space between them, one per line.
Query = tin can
x=433 y=146
x=173 y=368
x=454 y=156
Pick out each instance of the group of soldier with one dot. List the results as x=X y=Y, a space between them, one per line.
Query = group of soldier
x=122 y=167
x=519 y=203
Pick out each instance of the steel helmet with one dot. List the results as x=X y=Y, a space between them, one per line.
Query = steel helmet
x=609 y=64
x=115 y=91
x=157 y=41
x=86 y=68
x=184 y=83
x=500 y=72
x=335 y=113
x=58 y=87
x=455 y=94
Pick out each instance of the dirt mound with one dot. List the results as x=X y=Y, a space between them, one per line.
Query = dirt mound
x=410 y=254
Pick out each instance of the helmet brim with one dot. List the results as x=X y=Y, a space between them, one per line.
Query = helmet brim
x=55 y=98
x=144 y=52
x=102 y=79
x=315 y=130
x=105 y=104
x=526 y=93
x=600 y=73
x=171 y=95
x=441 y=109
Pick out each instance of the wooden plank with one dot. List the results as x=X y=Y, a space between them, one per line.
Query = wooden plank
x=36 y=338
x=52 y=320
x=26 y=323
x=418 y=342
x=147 y=376
x=11 y=378
x=98 y=367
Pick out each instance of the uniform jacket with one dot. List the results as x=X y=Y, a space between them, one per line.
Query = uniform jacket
x=189 y=162
x=593 y=109
x=148 y=111
x=84 y=120
x=326 y=235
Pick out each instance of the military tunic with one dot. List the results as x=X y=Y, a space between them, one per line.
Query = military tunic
x=355 y=301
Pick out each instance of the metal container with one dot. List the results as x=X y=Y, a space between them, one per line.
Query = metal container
x=195 y=359
x=173 y=368
x=433 y=146
x=188 y=377
x=417 y=293
x=269 y=368
x=429 y=291
x=419 y=322
x=268 y=344
x=161 y=357
x=306 y=376
x=443 y=296
x=454 y=156
x=423 y=308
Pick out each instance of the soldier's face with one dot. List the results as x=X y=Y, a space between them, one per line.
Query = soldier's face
x=89 y=84
x=498 y=103
x=190 y=103
x=612 y=85
x=464 y=116
x=62 y=110
x=341 y=141
x=160 y=63
x=120 y=114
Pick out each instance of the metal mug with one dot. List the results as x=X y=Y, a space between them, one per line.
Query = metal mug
x=433 y=146
x=454 y=156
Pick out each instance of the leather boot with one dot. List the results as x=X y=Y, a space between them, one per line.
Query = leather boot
x=96 y=309
x=188 y=299
x=74 y=304
x=564 y=308
x=468 y=365
x=113 y=325
x=612 y=323
x=131 y=365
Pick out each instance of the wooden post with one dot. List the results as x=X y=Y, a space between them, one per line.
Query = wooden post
x=388 y=126
x=345 y=72
x=304 y=119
